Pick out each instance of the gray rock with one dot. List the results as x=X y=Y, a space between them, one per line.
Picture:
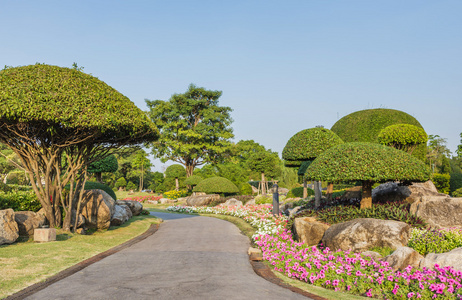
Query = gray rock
x=286 y=205
x=308 y=230
x=201 y=200
x=439 y=211
x=152 y=202
x=163 y=200
x=120 y=215
x=232 y=202
x=392 y=191
x=294 y=211
x=9 y=231
x=452 y=258
x=28 y=221
x=403 y=257
x=98 y=208
x=134 y=206
x=364 y=234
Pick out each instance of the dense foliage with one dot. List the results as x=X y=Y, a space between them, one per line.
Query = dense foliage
x=441 y=182
x=435 y=241
x=216 y=185
x=365 y=125
x=58 y=121
x=20 y=201
x=309 y=143
x=297 y=192
x=175 y=171
x=193 y=180
x=245 y=189
x=194 y=129
x=266 y=163
x=366 y=161
x=90 y=185
x=404 y=137
x=457 y=193
x=107 y=164
x=455 y=182
x=121 y=183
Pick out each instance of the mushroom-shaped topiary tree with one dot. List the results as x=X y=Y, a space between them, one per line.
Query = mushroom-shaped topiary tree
x=175 y=171
x=264 y=163
x=107 y=164
x=365 y=126
x=404 y=137
x=193 y=180
x=217 y=185
x=369 y=163
x=306 y=145
x=58 y=121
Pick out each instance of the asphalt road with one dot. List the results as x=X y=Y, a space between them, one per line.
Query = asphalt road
x=189 y=257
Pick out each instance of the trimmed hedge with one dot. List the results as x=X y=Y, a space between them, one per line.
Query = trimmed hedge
x=298 y=192
x=193 y=180
x=245 y=189
x=303 y=167
x=175 y=171
x=20 y=201
x=365 y=125
x=309 y=143
x=404 y=137
x=366 y=161
x=216 y=185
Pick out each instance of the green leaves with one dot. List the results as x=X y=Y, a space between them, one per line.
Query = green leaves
x=366 y=161
x=216 y=185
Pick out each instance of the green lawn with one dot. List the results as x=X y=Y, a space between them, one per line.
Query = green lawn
x=25 y=263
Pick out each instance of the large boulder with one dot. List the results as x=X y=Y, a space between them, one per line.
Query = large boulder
x=201 y=200
x=393 y=191
x=309 y=230
x=439 y=211
x=352 y=193
x=403 y=257
x=451 y=258
x=121 y=215
x=98 y=208
x=28 y=221
x=9 y=231
x=134 y=206
x=232 y=202
x=364 y=234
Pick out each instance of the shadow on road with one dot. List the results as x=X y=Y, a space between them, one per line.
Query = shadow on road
x=171 y=216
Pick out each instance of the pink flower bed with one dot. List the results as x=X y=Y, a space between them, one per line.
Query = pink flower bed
x=350 y=272
x=142 y=199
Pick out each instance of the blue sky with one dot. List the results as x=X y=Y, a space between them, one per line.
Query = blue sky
x=283 y=66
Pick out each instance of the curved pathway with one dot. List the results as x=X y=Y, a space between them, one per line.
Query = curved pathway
x=189 y=257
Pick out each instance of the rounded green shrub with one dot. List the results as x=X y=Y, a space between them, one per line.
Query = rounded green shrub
x=309 y=143
x=457 y=193
x=193 y=180
x=441 y=182
x=365 y=125
x=366 y=162
x=4 y=187
x=216 y=185
x=404 y=137
x=175 y=171
x=17 y=177
x=298 y=192
x=131 y=186
x=260 y=199
x=245 y=189
x=121 y=182
x=20 y=201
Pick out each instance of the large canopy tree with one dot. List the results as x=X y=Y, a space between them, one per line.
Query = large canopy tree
x=58 y=121
x=194 y=129
x=369 y=163
x=304 y=146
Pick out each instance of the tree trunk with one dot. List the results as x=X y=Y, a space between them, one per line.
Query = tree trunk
x=263 y=184
x=98 y=176
x=330 y=190
x=189 y=170
x=141 y=178
x=305 y=189
x=317 y=194
x=366 y=199
x=177 y=185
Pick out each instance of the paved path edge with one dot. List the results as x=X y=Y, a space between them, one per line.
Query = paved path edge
x=30 y=290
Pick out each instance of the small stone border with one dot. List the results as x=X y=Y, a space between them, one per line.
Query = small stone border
x=265 y=272
x=80 y=266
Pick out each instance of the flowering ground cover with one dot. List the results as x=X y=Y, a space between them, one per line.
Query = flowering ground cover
x=142 y=199
x=340 y=270
x=435 y=241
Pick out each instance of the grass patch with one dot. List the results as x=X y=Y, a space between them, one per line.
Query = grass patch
x=126 y=194
x=25 y=263
x=384 y=251
x=243 y=226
